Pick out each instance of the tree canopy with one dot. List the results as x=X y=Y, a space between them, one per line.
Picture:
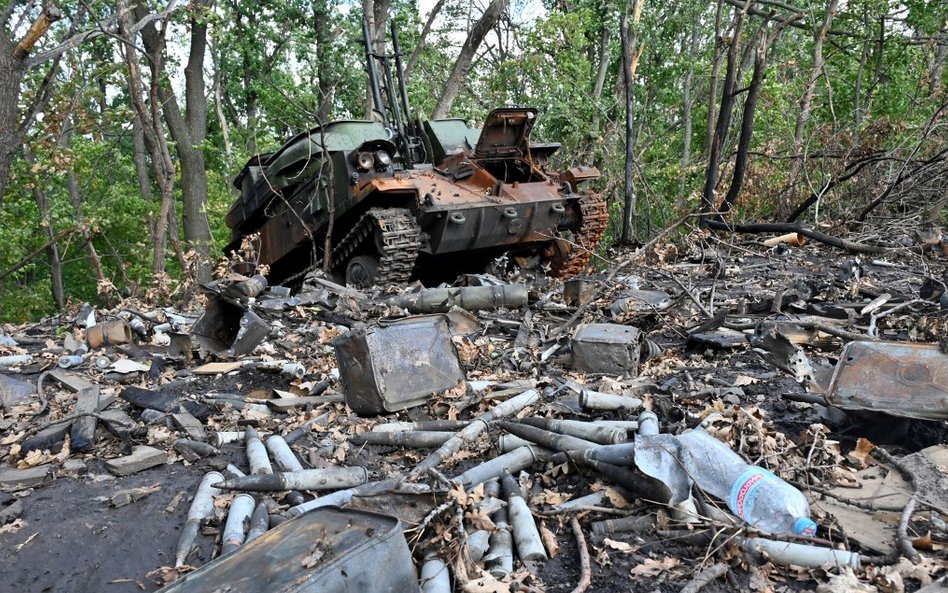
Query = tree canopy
x=122 y=124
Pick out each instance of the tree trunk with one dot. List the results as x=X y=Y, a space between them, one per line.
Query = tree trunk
x=368 y=13
x=13 y=68
x=189 y=132
x=938 y=66
x=161 y=162
x=715 y=78
x=47 y=224
x=600 y=81
x=463 y=64
x=630 y=60
x=803 y=115
x=687 y=101
x=747 y=128
x=416 y=53
x=219 y=108
x=75 y=198
x=724 y=116
x=11 y=74
x=860 y=75
x=325 y=70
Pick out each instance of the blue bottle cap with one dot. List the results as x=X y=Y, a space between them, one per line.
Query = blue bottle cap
x=804 y=526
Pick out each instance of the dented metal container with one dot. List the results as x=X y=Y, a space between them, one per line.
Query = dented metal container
x=606 y=348
x=898 y=378
x=226 y=329
x=327 y=550
x=398 y=365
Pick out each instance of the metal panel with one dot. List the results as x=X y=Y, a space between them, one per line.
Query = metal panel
x=397 y=366
x=902 y=379
x=327 y=550
x=606 y=348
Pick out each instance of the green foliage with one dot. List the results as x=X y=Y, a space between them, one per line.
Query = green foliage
x=283 y=65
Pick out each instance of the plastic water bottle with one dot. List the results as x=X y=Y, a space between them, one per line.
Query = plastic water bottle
x=755 y=495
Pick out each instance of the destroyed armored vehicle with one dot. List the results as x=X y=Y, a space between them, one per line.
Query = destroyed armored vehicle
x=404 y=199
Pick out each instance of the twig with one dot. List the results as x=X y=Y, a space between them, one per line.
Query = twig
x=797 y=228
x=902 y=541
x=705 y=577
x=687 y=292
x=585 y=571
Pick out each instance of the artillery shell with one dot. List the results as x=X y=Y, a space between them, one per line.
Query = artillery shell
x=648 y=423
x=240 y=510
x=594 y=400
x=434 y=576
x=330 y=478
x=283 y=455
x=514 y=461
x=545 y=438
x=201 y=507
x=526 y=536
x=424 y=425
x=602 y=435
x=256 y=453
x=414 y=439
x=259 y=522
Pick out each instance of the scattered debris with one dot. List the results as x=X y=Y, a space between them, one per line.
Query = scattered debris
x=525 y=422
x=141 y=458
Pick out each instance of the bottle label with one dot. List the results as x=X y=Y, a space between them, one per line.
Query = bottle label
x=746 y=489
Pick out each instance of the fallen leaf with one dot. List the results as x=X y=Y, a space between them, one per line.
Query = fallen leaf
x=653 y=567
x=742 y=380
x=616 y=499
x=485 y=583
x=846 y=582
x=13 y=526
x=617 y=545
x=549 y=540
x=861 y=455
x=479 y=520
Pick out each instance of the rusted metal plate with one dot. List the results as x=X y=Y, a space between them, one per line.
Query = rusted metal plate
x=898 y=378
x=397 y=366
x=506 y=131
x=327 y=550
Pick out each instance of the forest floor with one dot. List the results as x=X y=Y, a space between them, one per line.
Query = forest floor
x=748 y=333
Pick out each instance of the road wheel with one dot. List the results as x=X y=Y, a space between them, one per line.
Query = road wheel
x=362 y=271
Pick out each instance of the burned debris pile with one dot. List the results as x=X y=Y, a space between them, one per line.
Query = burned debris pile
x=707 y=415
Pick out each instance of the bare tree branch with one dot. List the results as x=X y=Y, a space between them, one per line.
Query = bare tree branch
x=107 y=27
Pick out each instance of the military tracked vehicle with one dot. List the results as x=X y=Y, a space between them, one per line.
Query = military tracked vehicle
x=403 y=199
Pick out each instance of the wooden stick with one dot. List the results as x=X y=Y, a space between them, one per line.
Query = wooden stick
x=585 y=572
x=796 y=227
x=705 y=577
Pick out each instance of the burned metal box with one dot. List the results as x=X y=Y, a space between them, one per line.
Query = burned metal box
x=226 y=329
x=327 y=550
x=606 y=348
x=397 y=365
x=898 y=378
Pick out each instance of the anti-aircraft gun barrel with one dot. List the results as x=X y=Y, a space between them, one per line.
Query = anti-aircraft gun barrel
x=373 y=73
x=413 y=129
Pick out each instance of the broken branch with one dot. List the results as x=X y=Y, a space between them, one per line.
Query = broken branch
x=777 y=227
x=705 y=577
x=585 y=571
